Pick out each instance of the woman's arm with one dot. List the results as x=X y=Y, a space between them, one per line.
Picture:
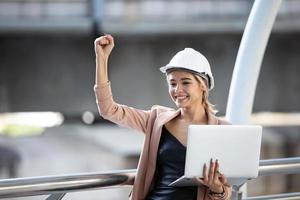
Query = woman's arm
x=120 y=114
x=103 y=48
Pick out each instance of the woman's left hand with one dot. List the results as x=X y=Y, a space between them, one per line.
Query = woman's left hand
x=213 y=179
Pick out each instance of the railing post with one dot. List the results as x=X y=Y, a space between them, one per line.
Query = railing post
x=237 y=194
x=56 y=196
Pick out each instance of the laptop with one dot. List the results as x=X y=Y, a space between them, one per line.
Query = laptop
x=237 y=148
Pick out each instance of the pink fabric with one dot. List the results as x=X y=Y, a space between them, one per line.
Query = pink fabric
x=149 y=122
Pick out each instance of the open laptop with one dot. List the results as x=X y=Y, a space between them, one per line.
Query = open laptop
x=237 y=148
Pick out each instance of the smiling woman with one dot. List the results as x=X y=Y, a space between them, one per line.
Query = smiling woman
x=184 y=89
x=191 y=76
x=163 y=157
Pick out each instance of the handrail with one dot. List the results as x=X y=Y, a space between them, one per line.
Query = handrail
x=287 y=196
x=279 y=166
x=279 y=161
x=33 y=186
x=61 y=184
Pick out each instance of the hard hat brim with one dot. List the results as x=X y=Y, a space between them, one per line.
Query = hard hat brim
x=209 y=78
x=163 y=69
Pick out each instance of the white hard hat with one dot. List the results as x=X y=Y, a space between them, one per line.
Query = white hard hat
x=191 y=60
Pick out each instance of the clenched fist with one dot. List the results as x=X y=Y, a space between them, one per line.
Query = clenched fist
x=104 y=46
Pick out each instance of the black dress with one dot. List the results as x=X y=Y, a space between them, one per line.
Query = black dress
x=169 y=167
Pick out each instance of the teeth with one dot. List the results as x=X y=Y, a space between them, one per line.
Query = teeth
x=181 y=98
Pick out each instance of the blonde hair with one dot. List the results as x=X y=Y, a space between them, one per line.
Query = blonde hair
x=209 y=107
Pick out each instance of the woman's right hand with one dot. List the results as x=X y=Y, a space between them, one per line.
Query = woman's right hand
x=104 y=46
x=213 y=179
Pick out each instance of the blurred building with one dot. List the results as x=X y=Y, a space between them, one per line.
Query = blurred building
x=47 y=50
x=47 y=56
x=136 y=16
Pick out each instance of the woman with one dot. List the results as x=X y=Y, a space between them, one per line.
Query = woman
x=163 y=156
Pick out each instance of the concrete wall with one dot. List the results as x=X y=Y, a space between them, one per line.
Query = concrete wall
x=56 y=73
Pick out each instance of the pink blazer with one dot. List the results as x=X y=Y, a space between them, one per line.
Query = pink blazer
x=149 y=122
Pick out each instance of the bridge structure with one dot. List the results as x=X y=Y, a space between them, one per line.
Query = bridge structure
x=239 y=109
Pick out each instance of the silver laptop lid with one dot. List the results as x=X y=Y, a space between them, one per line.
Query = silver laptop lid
x=237 y=147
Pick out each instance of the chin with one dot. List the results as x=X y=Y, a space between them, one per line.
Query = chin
x=184 y=104
x=181 y=105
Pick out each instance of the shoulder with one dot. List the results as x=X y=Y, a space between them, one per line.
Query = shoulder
x=158 y=111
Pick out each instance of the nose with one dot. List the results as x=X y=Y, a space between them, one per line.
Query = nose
x=178 y=87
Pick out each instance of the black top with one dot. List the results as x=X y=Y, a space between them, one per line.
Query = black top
x=169 y=167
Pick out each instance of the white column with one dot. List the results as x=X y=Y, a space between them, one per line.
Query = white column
x=248 y=61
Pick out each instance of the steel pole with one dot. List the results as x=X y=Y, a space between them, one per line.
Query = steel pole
x=248 y=64
x=249 y=59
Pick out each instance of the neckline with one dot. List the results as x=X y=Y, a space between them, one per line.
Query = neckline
x=175 y=138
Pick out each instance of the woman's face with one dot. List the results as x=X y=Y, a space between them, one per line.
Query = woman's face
x=185 y=90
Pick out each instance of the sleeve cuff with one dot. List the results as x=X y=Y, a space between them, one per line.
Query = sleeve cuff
x=100 y=86
x=103 y=91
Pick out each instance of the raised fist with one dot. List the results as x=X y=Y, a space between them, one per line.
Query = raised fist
x=104 y=46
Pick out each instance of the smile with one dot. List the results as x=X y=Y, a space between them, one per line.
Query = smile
x=180 y=98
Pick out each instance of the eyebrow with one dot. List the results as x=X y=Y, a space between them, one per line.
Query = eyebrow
x=183 y=79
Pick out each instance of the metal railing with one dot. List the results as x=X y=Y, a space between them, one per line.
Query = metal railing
x=58 y=186
x=271 y=167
